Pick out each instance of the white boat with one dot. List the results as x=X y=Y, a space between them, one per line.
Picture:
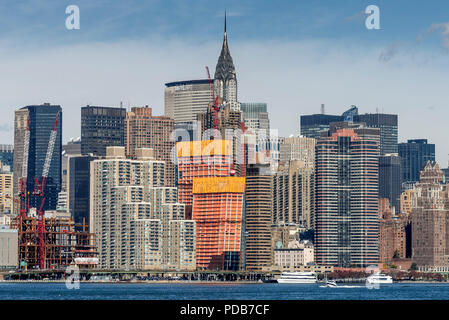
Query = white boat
x=297 y=277
x=331 y=283
x=379 y=278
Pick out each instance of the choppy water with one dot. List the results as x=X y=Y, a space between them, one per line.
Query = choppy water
x=190 y=291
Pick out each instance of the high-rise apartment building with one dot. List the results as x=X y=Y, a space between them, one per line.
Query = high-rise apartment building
x=101 y=127
x=430 y=219
x=414 y=154
x=258 y=221
x=143 y=130
x=6 y=192
x=313 y=125
x=40 y=119
x=346 y=213
x=390 y=179
x=7 y=155
x=298 y=148
x=137 y=220
x=201 y=159
x=294 y=194
x=218 y=213
x=185 y=99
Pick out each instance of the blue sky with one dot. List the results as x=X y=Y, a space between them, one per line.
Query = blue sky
x=294 y=55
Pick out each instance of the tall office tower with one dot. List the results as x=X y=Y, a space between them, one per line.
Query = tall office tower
x=388 y=125
x=200 y=159
x=72 y=148
x=143 y=130
x=298 y=148
x=255 y=117
x=390 y=179
x=78 y=187
x=430 y=219
x=294 y=194
x=414 y=156
x=446 y=175
x=313 y=125
x=225 y=82
x=346 y=224
x=41 y=119
x=258 y=206
x=7 y=155
x=218 y=213
x=185 y=99
x=6 y=192
x=101 y=127
x=392 y=237
x=137 y=221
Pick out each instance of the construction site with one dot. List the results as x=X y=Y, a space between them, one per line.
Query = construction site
x=47 y=240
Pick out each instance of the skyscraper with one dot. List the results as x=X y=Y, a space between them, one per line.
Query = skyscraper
x=218 y=213
x=101 y=127
x=78 y=187
x=7 y=155
x=388 y=125
x=414 y=156
x=390 y=179
x=255 y=116
x=143 y=130
x=298 y=148
x=41 y=122
x=185 y=99
x=258 y=221
x=313 y=125
x=347 y=222
x=225 y=82
x=137 y=221
x=430 y=220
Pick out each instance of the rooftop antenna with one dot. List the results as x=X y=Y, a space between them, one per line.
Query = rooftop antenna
x=322 y=108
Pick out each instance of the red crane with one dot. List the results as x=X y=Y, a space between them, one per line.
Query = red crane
x=215 y=102
x=39 y=190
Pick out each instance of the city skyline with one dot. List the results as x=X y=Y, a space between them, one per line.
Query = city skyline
x=317 y=58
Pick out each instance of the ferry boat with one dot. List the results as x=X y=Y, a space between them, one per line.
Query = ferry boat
x=297 y=277
x=379 y=278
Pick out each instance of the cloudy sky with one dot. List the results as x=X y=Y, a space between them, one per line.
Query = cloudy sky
x=293 y=55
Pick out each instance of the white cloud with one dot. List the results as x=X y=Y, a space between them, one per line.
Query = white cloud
x=293 y=78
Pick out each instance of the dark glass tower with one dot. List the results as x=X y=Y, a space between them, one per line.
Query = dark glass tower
x=390 y=179
x=414 y=156
x=79 y=187
x=388 y=125
x=42 y=119
x=313 y=125
x=101 y=127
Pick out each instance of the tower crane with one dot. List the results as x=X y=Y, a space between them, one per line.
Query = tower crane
x=39 y=188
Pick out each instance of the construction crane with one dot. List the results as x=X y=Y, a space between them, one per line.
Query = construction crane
x=39 y=188
x=214 y=101
x=23 y=179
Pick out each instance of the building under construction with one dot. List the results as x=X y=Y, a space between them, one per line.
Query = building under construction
x=62 y=244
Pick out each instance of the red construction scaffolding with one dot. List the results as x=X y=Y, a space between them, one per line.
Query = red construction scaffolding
x=63 y=243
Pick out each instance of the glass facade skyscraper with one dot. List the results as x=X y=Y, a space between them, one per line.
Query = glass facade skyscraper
x=42 y=119
x=414 y=156
x=101 y=127
x=390 y=179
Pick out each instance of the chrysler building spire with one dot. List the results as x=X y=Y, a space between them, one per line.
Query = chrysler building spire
x=225 y=82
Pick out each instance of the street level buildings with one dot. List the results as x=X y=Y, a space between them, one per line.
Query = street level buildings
x=9 y=248
x=143 y=130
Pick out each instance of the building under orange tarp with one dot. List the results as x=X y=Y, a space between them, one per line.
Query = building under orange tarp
x=217 y=210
